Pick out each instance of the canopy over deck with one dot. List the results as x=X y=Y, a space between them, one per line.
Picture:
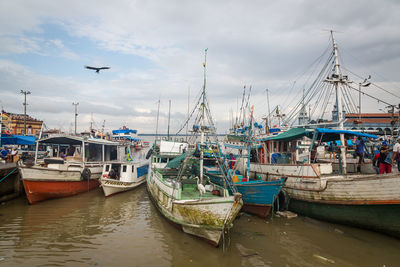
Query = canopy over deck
x=17 y=140
x=323 y=134
x=75 y=140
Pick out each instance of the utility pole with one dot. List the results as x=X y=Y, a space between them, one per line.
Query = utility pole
x=25 y=93
x=76 y=112
x=392 y=121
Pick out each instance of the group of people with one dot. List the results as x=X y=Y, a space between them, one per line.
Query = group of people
x=7 y=155
x=385 y=159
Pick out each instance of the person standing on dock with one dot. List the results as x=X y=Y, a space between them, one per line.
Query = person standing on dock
x=360 y=150
x=396 y=153
x=385 y=165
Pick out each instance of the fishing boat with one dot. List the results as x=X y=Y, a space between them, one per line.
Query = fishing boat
x=129 y=136
x=73 y=165
x=196 y=205
x=332 y=190
x=180 y=189
x=119 y=177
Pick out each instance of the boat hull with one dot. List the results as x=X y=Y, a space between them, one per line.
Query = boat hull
x=205 y=218
x=366 y=201
x=379 y=218
x=112 y=187
x=43 y=183
x=37 y=191
x=259 y=196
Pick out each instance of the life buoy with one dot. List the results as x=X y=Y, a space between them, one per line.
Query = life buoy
x=86 y=173
x=7 y=132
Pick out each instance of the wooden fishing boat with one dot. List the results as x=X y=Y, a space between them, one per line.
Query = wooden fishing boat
x=60 y=176
x=204 y=213
x=180 y=189
x=119 y=177
x=333 y=190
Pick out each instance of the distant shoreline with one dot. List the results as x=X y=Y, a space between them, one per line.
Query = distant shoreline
x=153 y=134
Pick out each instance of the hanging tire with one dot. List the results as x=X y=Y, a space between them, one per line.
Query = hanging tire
x=283 y=199
x=86 y=173
x=149 y=153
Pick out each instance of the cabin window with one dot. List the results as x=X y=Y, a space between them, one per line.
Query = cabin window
x=107 y=168
x=164 y=160
x=124 y=168
x=133 y=169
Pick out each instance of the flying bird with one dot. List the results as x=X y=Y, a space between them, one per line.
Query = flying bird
x=97 y=69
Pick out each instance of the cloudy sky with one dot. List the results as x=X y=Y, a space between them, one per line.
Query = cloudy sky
x=156 y=48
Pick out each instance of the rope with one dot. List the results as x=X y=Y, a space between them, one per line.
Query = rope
x=8 y=174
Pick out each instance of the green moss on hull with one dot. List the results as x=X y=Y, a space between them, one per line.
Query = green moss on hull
x=196 y=216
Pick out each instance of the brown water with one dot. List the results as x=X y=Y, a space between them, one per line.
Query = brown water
x=127 y=230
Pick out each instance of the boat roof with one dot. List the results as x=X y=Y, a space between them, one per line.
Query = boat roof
x=323 y=134
x=124 y=131
x=75 y=140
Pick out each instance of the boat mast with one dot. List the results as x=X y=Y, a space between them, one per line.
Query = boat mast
x=202 y=118
x=338 y=79
x=187 y=124
x=158 y=113
x=269 y=111
x=169 y=116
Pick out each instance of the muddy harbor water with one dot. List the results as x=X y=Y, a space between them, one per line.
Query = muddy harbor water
x=127 y=230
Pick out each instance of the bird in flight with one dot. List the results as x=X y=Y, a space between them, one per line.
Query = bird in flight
x=97 y=69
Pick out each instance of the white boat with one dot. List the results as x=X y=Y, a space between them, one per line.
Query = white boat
x=119 y=177
x=206 y=214
x=62 y=176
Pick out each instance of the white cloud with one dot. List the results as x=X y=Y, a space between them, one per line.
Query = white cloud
x=266 y=44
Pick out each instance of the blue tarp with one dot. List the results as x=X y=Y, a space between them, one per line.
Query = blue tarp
x=331 y=131
x=17 y=140
x=124 y=131
x=325 y=134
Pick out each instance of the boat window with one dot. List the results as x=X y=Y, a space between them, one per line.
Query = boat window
x=124 y=168
x=107 y=168
x=133 y=169
x=164 y=160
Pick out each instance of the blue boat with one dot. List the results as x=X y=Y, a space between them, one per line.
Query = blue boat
x=258 y=195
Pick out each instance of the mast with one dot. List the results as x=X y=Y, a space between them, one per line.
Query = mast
x=187 y=124
x=158 y=113
x=169 y=116
x=269 y=112
x=338 y=79
x=202 y=117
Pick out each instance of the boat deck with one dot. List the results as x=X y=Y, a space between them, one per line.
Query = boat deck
x=190 y=191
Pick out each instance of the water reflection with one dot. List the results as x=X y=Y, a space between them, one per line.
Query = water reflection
x=127 y=230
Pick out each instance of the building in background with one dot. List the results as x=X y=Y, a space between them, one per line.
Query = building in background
x=13 y=123
x=376 y=123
